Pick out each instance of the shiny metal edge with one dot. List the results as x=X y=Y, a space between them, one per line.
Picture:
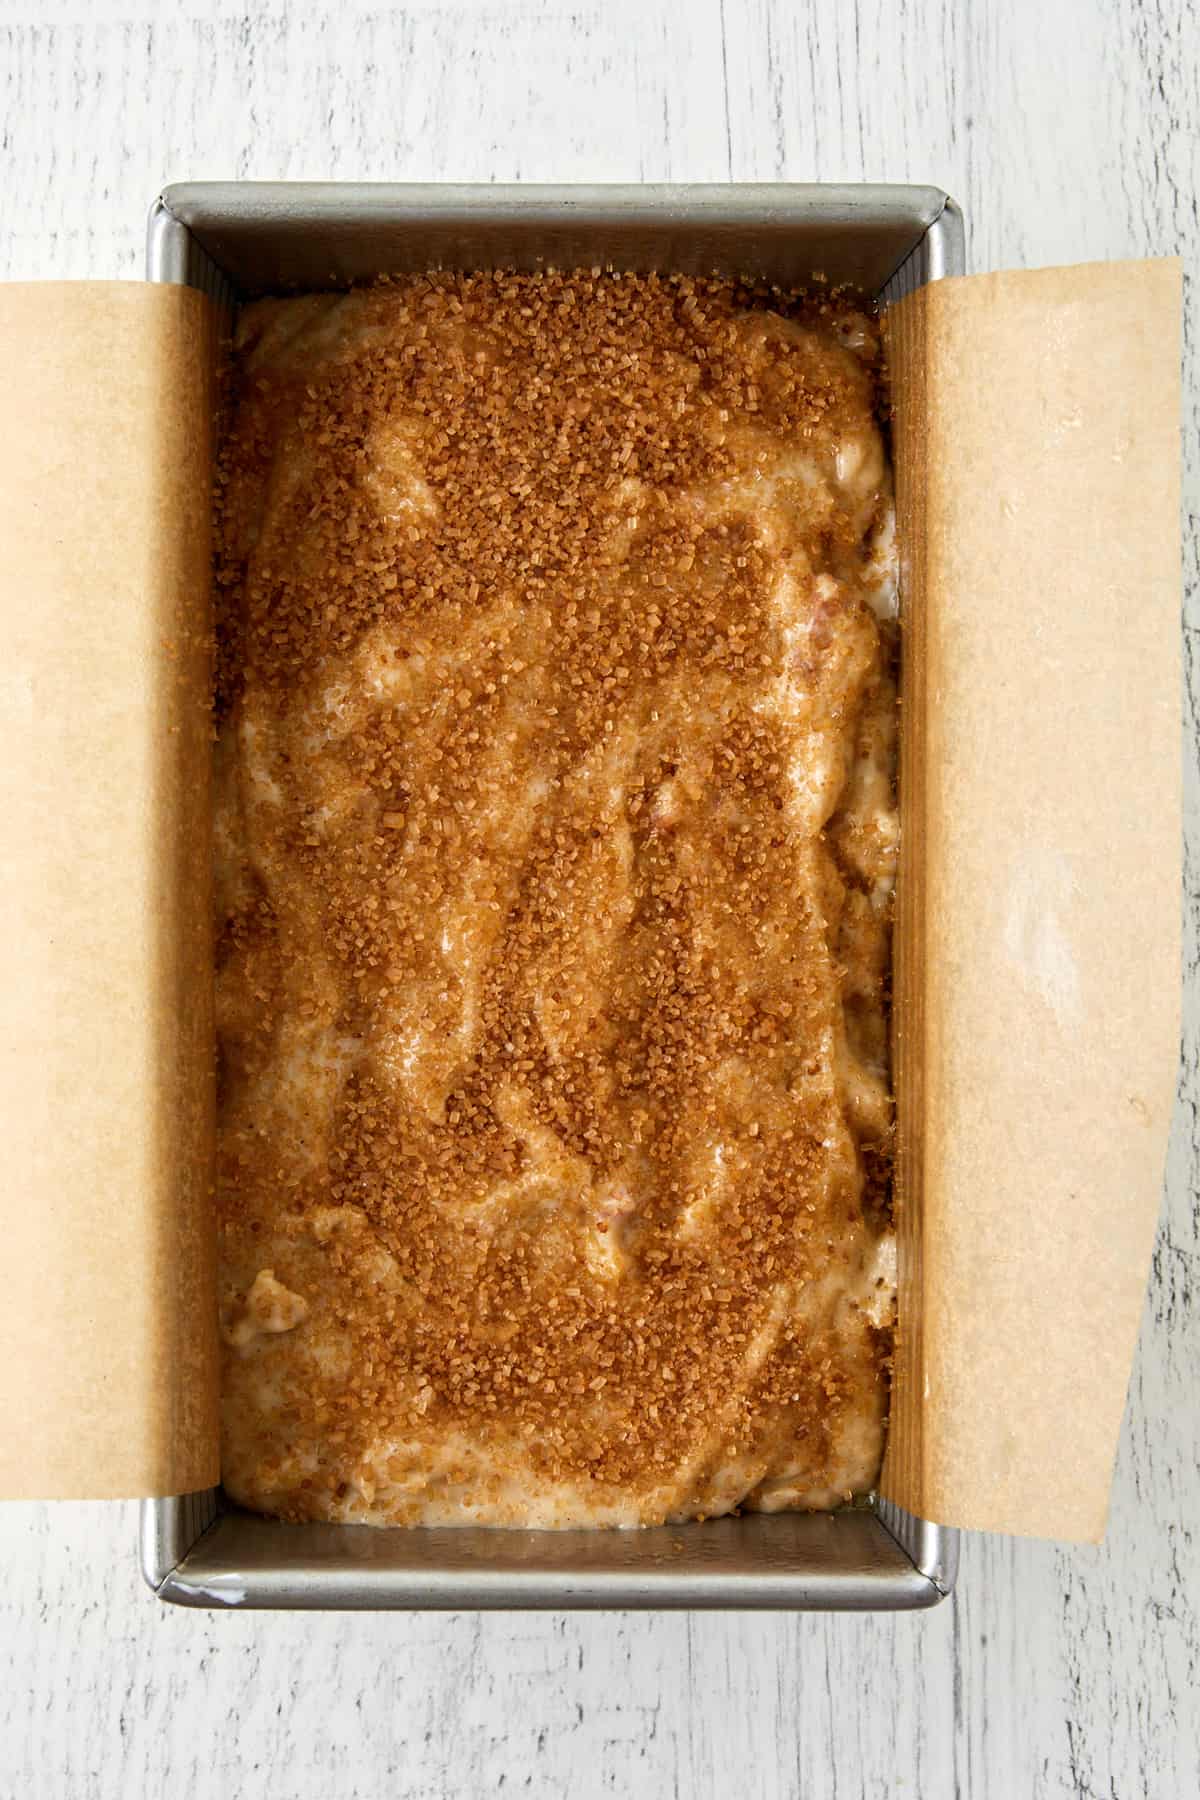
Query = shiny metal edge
x=941 y=251
x=268 y=236
x=198 y=1550
x=932 y=1549
x=170 y=1527
x=331 y=203
x=193 y=1546
x=174 y=255
x=831 y=1562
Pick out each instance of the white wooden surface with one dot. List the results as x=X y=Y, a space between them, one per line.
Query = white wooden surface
x=1068 y=129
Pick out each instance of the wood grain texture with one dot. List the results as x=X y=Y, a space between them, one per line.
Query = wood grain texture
x=1068 y=131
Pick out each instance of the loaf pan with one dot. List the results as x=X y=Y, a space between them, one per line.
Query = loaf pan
x=238 y=240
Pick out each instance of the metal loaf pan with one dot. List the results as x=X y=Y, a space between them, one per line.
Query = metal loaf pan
x=236 y=240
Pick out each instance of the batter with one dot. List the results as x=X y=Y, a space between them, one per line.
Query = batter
x=555 y=844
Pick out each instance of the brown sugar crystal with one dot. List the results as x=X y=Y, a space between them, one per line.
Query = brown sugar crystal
x=555 y=841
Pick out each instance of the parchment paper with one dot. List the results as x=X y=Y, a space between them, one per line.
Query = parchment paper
x=108 y=1372
x=1037 y=976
